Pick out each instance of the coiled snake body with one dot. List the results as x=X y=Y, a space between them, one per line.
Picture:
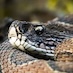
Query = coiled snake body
x=38 y=39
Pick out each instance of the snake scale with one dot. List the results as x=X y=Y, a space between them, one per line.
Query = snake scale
x=28 y=42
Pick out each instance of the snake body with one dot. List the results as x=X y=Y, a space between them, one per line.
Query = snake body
x=29 y=38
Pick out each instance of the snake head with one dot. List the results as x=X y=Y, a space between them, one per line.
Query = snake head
x=33 y=37
x=29 y=36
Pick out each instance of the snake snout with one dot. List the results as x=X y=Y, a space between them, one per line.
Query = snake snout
x=13 y=29
x=12 y=32
x=12 y=35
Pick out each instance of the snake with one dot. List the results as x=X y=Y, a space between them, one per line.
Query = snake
x=29 y=43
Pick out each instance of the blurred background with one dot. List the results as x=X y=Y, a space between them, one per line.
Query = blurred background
x=32 y=10
x=42 y=10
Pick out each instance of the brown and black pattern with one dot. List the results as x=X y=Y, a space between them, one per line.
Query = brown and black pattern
x=13 y=60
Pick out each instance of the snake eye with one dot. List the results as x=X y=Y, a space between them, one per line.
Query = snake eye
x=23 y=27
x=39 y=30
